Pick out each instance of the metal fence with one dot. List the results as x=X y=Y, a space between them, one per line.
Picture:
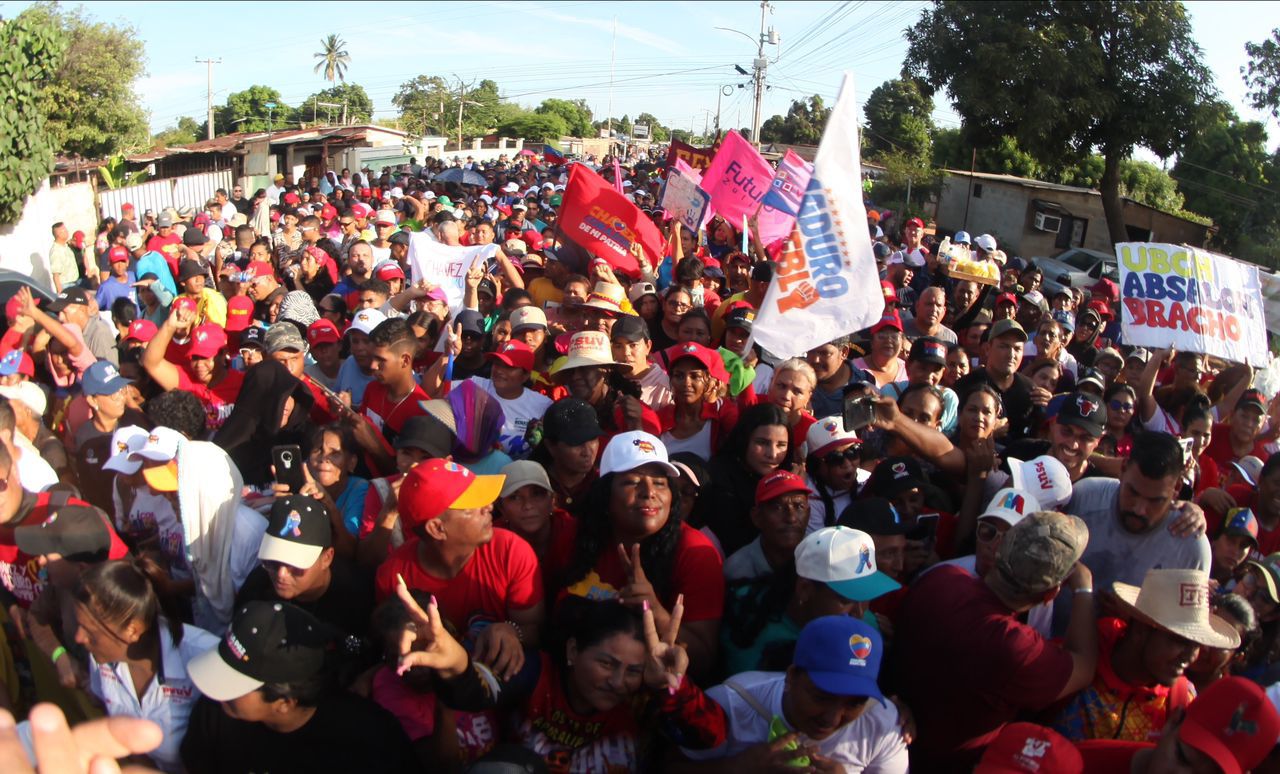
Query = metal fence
x=177 y=192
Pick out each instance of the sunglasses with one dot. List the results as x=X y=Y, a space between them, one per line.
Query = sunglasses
x=844 y=455
x=1120 y=406
x=987 y=532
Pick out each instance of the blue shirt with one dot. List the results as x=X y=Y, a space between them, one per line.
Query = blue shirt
x=351 y=503
x=112 y=288
x=351 y=380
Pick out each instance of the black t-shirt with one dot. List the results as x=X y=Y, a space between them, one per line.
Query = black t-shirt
x=1024 y=416
x=346 y=604
x=346 y=733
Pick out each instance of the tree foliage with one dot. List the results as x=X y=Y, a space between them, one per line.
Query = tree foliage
x=334 y=59
x=185 y=132
x=907 y=173
x=899 y=118
x=576 y=115
x=1263 y=73
x=803 y=124
x=534 y=127
x=1068 y=78
x=90 y=103
x=429 y=105
x=952 y=149
x=657 y=132
x=247 y=111
x=31 y=50
x=359 y=105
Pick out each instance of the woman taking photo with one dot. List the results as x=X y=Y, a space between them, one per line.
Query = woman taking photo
x=636 y=549
x=759 y=445
x=139 y=650
x=699 y=417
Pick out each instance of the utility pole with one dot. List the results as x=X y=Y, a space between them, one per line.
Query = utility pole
x=759 y=65
x=209 y=63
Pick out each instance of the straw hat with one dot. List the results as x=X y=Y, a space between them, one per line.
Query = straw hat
x=1178 y=601
x=587 y=348
x=609 y=297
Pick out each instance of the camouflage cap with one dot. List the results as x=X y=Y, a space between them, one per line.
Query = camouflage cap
x=1038 y=552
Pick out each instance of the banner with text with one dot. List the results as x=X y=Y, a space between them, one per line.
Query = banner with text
x=698 y=158
x=826 y=284
x=444 y=265
x=1193 y=300
x=684 y=200
x=737 y=179
x=781 y=203
x=606 y=223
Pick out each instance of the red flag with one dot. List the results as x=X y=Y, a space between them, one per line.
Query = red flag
x=606 y=223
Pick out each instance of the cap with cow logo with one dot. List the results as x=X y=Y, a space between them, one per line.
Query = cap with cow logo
x=1085 y=411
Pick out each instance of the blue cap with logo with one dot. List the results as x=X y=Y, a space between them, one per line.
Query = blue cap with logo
x=102 y=378
x=841 y=655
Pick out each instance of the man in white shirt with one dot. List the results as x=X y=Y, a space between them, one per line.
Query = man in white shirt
x=827 y=704
x=276 y=189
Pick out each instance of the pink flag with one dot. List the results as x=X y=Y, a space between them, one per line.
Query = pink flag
x=737 y=179
x=683 y=168
x=779 y=206
x=617 y=174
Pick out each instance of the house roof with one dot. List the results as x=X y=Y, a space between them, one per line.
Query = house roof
x=235 y=142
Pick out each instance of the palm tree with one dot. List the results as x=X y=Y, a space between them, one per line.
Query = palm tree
x=333 y=58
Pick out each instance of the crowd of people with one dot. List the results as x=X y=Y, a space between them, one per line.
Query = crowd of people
x=274 y=503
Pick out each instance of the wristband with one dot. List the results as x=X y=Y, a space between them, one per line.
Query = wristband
x=1083 y=591
x=516 y=626
x=57 y=653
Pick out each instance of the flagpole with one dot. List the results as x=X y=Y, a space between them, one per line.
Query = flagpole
x=613 y=55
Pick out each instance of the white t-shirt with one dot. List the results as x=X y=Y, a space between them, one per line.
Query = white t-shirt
x=747 y=563
x=872 y=743
x=764 y=378
x=517 y=414
x=152 y=512
x=168 y=704
x=699 y=443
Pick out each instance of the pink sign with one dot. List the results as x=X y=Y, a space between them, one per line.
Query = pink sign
x=780 y=205
x=737 y=179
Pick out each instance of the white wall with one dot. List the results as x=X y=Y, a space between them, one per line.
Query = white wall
x=24 y=246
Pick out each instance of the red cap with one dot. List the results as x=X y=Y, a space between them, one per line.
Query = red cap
x=1106 y=289
x=185 y=302
x=126 y=207
x=77 y=239
x=361 y=210
x=890 y=320
x=915 y=222
x=328 y=212
x=1009 y=297
x=504 y=209
x=1103 y=309
x=291 y=198
x=779 y=483
x=389 y=270
x=434 y=486
x=11 y=308
x=118 y=254
x=207 y=340
x=514 y=353
x=239 y=313
x=141 y=330
x=1233 y=722
x=259 y=269
x=709 y=358
x=1026 y=748
x=323 y=331
x=889 y=291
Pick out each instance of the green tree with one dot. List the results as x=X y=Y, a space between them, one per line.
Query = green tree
x=576 y=114
x=359 y=105
x=31 y=49
x=185 y=132
x=1263 y=73
x=1148 y=184
x=1002 y=156
x=657 y=132
x=423 y=105
x=534 y=127
x=334 y=59
x=907 y=173
x=899 y=118
x=803 y=124
x=247 y=111
x=90 y=103
x=1066 y=78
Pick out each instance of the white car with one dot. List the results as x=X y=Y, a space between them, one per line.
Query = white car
x=1078 y=268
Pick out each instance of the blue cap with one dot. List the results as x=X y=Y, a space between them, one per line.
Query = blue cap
x=841 y=655
x=11 y=362
x=961 y=238
x=1065 y=319
x=102 y=378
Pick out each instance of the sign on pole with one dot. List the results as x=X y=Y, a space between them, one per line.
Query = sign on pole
x=684 y=200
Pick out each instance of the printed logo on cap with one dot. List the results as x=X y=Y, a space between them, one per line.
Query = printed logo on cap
x=49 y=520
x=1014 y=502
x=292 y=525
x=1086 y=405
x=236 y=648
x=1035 y=748
x=153 y=438
x=864 y=560
x=644 y=446
x=899 y=469
x=12 y=358
x=363 y=317
x=1193 y=595
x=201 y=335
x=691 y=348
x=934 y=349
x=1042 y=475
x=1239 y=724
x=860 y=646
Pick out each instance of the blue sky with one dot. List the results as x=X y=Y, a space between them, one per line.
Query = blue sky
x=669 y=58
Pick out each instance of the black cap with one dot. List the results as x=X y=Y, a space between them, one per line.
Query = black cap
x=763 y=271
x=268 y=642
x=399 y=238
x=927 y=349
x=254 y=336
x=427 y=433
x=77 y=532
x=193 y=237
x=487 y=285
x=471 y=321
x=895 y=475
x=875 y=516
x=743 y=317
x=1084 y=411
x=298 y=531
x=571 y=421
x=629 y=327
x=1254 y=398
x=67 y=298
x=189 y=269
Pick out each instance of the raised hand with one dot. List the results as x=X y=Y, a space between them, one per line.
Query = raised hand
x=454 y=340
x=666 y=661
x=440 y=650
x=638 y=589
x=94 y=746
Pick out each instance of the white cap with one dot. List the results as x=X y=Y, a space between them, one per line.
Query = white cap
x=1010 y=505
x=527 y=317
x=397 y=192
x=828 y=434
x=428 y=194
x=385 y=216
x=519 y=206
x=366 y=320
x=895 y=257
x=160 y=445
x=124 y=442
x=1044 y=478
x=510 y=188
x=630 y=450
x=29 y=393
x=486 y=198
x=845 y=559
x=986 y=242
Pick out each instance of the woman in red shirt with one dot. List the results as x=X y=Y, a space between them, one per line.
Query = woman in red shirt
x=699 y=417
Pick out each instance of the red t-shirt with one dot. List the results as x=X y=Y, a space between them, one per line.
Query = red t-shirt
x=501 y=576
x=219 y=400
x=389 y=416
x=1219 y=449
x=1110 y=756
x=698 y=574
x=19 y=573
x=1245 y=497
x=170 y=247
x=966 y=666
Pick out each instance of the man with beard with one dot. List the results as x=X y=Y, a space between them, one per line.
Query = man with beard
x=1002 y=356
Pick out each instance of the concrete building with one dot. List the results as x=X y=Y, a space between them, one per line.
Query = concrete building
x=1032 y=217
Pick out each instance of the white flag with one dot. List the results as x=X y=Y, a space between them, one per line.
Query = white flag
x=444 y=265
x=827 y=284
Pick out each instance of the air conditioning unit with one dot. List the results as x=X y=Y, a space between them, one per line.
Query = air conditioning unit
x=1046 y=222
